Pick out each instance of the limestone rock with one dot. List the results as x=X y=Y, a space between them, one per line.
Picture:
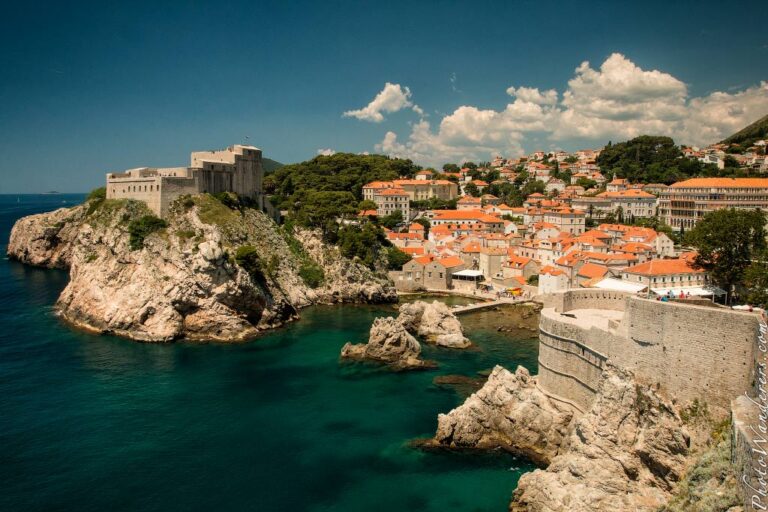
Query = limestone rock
x=625 y=453
x=435 y=322
x=345 y=281
x=184 y=282
x=389 y=343
x=508 y=412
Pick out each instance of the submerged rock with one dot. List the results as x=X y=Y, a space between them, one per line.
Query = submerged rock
x=184 y=280
x=508 y=412
x=435 y=322
x=389 y=342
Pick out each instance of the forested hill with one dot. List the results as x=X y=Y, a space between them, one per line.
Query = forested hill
x=747 y=136
x=650 y=159
x=341 y=172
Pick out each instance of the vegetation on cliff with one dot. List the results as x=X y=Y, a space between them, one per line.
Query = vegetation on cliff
x=140 y=228
x=325 y=193
x=711 y=483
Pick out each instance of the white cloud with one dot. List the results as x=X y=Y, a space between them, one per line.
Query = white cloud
x=618 y=101
x=326 y=152
x=533 y=95
x=392 y=98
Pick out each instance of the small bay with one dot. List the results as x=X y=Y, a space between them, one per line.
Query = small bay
x=93 y=423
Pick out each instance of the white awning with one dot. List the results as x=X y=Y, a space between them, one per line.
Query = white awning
x=618 y=285
x=695 y=291
x=468 y=273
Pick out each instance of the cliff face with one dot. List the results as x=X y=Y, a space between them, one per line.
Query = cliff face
x=188 y=279
x=627 y=452
x=508 y=412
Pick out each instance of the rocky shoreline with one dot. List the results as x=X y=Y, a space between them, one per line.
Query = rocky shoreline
x=186 y=280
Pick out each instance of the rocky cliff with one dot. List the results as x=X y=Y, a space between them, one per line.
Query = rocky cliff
x=627 y=452
x=212 y=272
x=508 y=412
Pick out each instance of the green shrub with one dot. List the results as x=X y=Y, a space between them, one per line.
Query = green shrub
x=248 y=258
x=142 y=227
x=312 y=274
x=185 y=234
x=273 y=265
x=396 y=258
x=228 y=199
x=533 y=280
x=98 y=194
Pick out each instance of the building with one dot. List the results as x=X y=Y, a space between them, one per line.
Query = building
x=390 y=200
x=684 y=203
x=236 y=169
x=673 y=275
x=634 y=202
x=418 y=190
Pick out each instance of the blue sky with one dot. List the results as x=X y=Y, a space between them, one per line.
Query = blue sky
x=89 y=88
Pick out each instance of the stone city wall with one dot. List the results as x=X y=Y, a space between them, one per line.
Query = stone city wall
x=687 y=352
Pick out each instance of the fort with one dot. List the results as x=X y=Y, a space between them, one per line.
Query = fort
x=687 y=352
x=235 y=169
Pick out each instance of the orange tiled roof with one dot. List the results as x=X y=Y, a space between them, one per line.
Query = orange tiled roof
x=592 y=270
x=663 y=267
x=722 y=183
x=451 y=261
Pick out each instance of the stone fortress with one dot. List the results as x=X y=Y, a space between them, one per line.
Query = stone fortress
x=235 y=169
x=687 y=352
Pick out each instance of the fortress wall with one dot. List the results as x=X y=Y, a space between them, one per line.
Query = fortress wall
x=590 y=299
x=172 y=188
x=687 y=352
x=690 y=352
x=146 y=189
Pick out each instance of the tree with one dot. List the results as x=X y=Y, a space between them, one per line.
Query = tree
x=392 y=220
x=756 y=280
x=450 y=168
x=367 y=204
x=472 y=190
x=396 y=258
x=424 y=222
x=727 y=241
x=469 y=165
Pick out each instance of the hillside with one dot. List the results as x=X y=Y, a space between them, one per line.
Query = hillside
x=209 y=271
x=270 y=165
x=746 y=137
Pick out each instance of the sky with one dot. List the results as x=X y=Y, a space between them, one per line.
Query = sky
x=90 y=88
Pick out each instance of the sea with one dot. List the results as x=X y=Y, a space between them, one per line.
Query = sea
x=100 y=423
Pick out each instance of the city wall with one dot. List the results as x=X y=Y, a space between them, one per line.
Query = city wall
x=686 y=352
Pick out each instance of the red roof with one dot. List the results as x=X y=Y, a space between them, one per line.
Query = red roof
x=663 y=267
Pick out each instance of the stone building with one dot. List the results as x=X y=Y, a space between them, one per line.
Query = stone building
x=235 y=169
x=684 y=203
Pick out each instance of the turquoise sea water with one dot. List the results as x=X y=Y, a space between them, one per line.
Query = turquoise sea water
x=94 y=423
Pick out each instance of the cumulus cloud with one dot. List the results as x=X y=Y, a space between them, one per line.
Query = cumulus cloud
x=616 y=101
x=392 y=98
x=326 y=152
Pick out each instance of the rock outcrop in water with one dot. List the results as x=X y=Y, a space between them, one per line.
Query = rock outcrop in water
x=625 y=453
x=389 y=342
x=185 y=280
x=508 y=412
x=435 y=322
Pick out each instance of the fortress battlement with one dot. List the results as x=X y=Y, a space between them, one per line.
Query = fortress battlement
x=687 y=352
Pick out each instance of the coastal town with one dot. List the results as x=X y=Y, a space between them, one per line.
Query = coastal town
x=579 y=229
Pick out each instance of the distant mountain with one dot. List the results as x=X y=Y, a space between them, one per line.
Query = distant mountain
x=747 y=137
x=270 y=165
